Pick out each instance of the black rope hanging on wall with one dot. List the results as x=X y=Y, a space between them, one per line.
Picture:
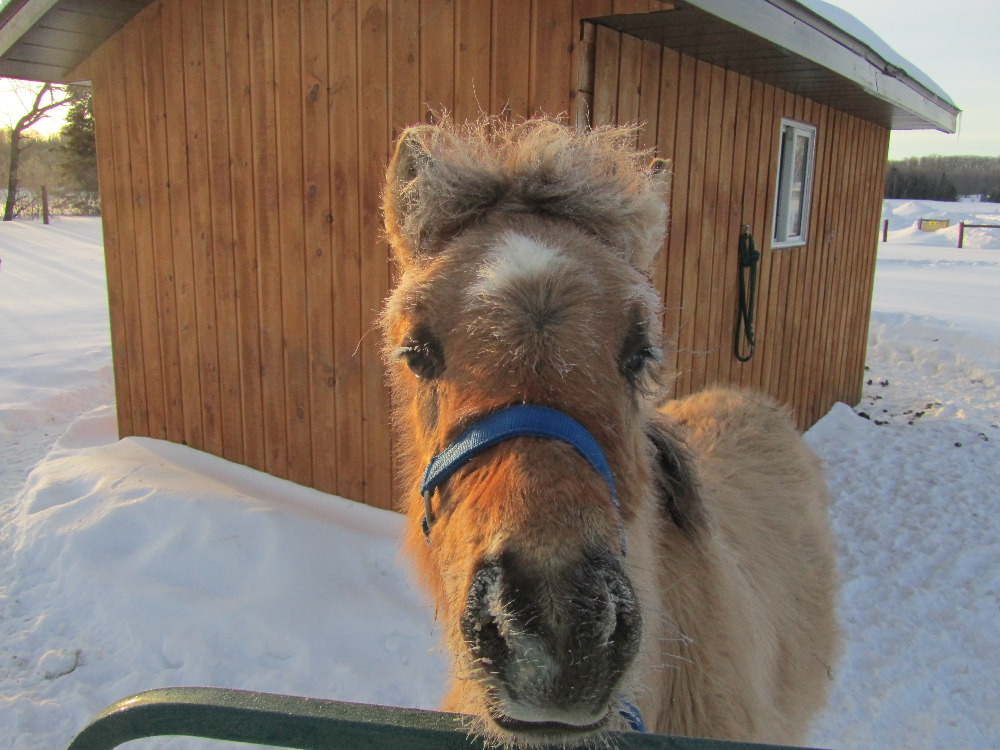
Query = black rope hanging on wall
x=748 y=296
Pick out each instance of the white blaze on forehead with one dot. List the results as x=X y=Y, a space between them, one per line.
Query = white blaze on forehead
x=538 y=304
x=514 y=260
x=533 y=303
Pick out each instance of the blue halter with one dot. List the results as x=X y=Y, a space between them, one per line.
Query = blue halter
x=524 y=420
x=631 y=714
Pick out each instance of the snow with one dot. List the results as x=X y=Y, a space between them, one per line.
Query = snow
x=132 y=564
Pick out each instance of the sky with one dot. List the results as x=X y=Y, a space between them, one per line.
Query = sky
x=954 y=43
x=15 y=100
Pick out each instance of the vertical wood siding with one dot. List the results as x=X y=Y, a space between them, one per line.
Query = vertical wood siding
x=722 y=131
x=241 y=149
x=242 y=146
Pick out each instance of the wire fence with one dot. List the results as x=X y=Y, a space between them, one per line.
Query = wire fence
x=43 y=203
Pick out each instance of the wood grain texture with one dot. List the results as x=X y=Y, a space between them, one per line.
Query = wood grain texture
x=437 y=53
x=242 y=148
x=128 y=259
x=200 y=212
x=347 y=251
x=222 y=243
x=291 y=95
x=244 y=232
x=317 y=222
x=510 y=53
x=473 y=29
x=161 y=245
x=141 y=226
x=373 y=148
x=107 y=169
x=550 y=78
x=264 y=131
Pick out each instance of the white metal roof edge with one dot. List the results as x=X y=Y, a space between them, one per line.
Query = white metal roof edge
x=801 y=27
x=21 y=20
x=859 y=32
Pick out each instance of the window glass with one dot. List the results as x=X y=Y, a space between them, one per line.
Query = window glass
x=794 y=184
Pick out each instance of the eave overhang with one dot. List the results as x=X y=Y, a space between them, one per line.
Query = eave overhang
x=784 y=43
x=46 y=40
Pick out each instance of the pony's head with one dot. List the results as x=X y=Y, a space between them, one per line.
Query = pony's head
x=524 y=253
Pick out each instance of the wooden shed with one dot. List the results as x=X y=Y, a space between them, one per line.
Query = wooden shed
x=242 y=144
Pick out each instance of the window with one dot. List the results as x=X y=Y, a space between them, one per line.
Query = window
x=795 y=174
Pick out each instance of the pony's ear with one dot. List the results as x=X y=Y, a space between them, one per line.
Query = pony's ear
x=401 y=199
x=652 y=218
x=438 y=181
x=660 y=172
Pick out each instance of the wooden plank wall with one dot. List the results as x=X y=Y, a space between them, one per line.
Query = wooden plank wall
x=242 y=146
x=721 y=129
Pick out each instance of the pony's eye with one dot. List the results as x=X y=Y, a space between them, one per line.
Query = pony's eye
x=423 y=355
x=637 y=361
x=636 y=351
x=421 y=362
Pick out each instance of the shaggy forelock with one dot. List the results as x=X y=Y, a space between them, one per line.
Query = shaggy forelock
x=462 y=172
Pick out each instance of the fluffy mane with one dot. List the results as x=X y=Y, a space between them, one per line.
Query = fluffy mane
x=445 y=177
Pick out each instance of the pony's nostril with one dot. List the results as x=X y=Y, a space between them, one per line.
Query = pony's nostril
x=628 y=622
x=490 y=645
x=604 y=605
x=624 y=639
x=480 y=624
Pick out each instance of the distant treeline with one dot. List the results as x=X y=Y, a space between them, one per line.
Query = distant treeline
x=944 y=178
x=64 y=165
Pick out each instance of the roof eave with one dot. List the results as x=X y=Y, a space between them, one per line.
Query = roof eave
x=18 y=17
x=825 y=47
x=48 y=40
x=804 y=53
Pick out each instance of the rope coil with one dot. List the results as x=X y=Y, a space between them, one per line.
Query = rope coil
x=749 y=257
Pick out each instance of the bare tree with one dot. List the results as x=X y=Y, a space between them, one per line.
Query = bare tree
x=46 y=99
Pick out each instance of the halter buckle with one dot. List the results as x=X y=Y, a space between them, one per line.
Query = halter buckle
x=428 y=515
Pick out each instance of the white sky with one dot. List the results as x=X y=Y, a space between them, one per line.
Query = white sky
x=14 y=103
x=957 y=44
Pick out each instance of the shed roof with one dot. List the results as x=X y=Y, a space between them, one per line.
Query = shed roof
x=805 y=46
x=44 y=40
x=808 y=47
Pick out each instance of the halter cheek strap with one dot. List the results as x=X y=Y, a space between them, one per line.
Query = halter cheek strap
x=524 y=420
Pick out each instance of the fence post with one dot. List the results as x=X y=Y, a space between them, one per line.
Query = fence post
x=961 y=234
x=45 y=205
x=885 y=230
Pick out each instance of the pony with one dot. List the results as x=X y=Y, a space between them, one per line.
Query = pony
x=595 y=554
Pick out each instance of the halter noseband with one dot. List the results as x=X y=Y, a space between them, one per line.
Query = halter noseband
x=523 y=420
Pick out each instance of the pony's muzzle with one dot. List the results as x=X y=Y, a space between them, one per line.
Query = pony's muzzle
x=551 y=650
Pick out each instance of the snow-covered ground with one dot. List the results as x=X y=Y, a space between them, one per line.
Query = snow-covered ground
x=916 y=495
x=133 y=564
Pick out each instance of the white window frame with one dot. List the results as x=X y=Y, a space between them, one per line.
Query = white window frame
x=785 y=215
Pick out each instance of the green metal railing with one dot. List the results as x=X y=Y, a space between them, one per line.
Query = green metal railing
x=309 y=724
